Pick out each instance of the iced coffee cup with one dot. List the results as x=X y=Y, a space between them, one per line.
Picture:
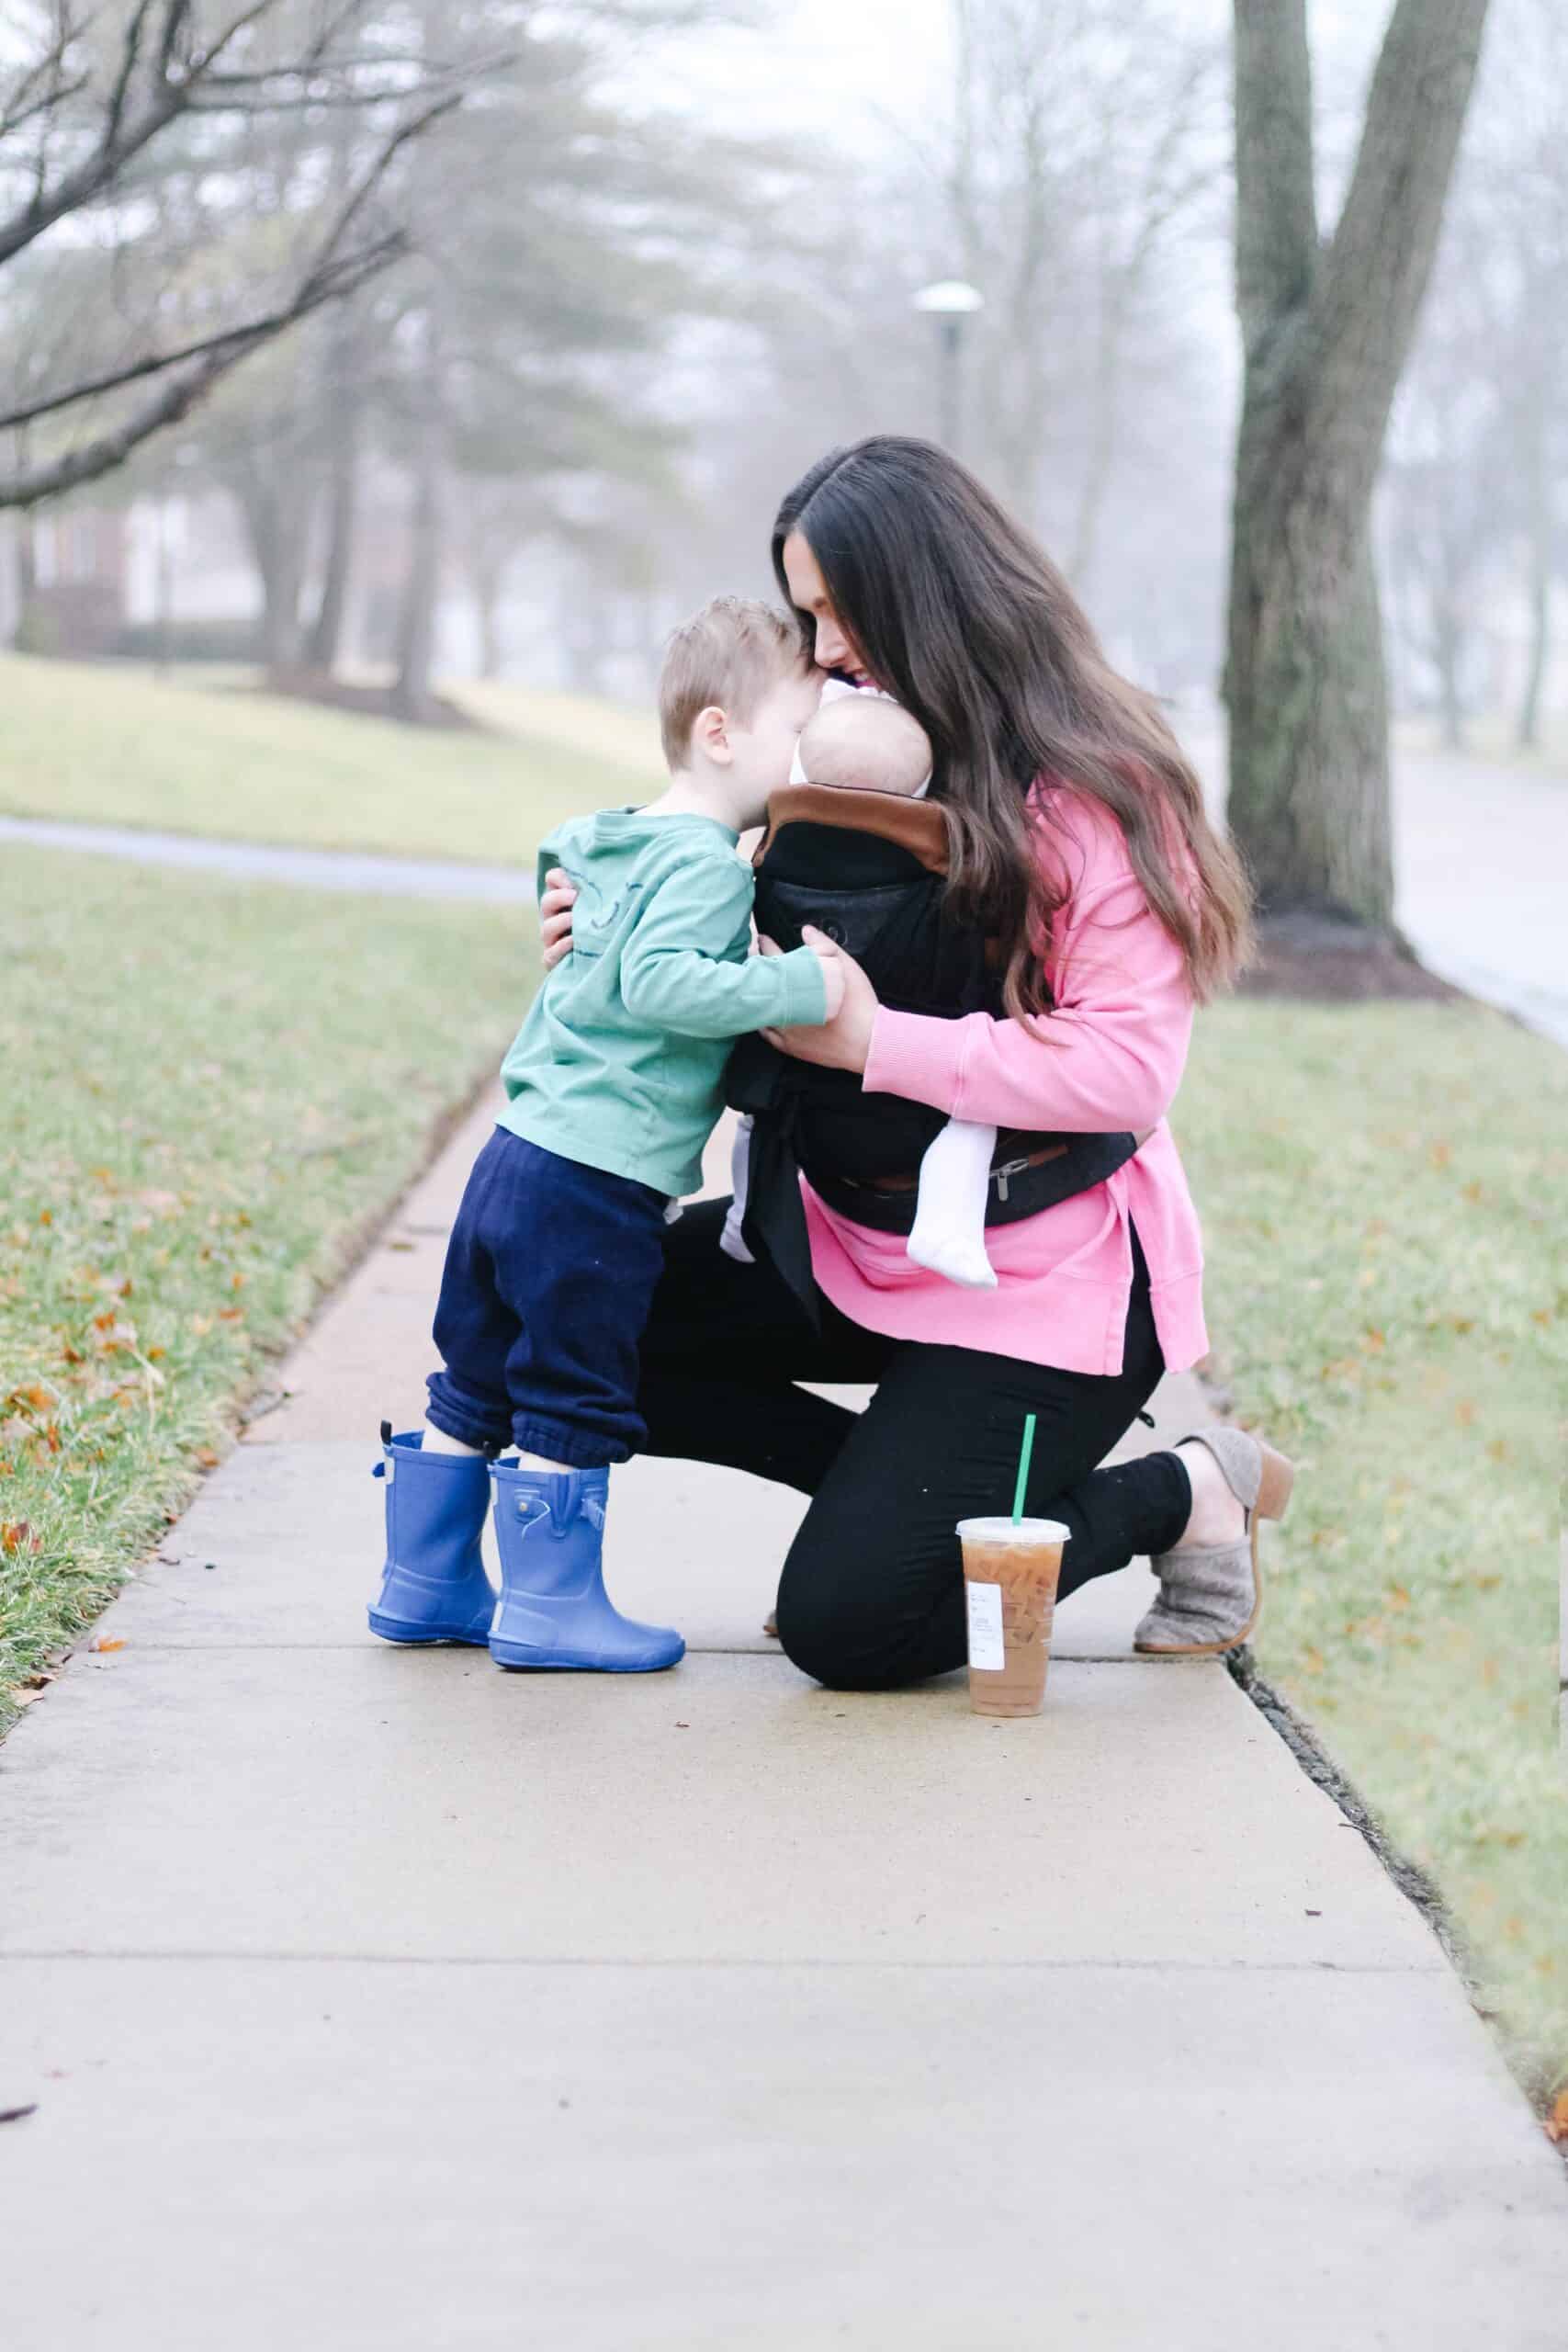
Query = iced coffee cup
x=1010 y=1571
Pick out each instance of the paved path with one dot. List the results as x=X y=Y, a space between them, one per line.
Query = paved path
x=1482 y=852
x=309 y=869
x=378 y=2001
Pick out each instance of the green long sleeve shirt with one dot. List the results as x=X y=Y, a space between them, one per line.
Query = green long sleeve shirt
x=620 y=1063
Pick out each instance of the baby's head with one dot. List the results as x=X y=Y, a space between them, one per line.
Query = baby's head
x=863 y=743
x=734 y=692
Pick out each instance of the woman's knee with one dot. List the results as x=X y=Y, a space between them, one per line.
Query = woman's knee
x=865 y=1631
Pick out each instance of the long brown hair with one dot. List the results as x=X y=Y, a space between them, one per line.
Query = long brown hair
x=957 y=612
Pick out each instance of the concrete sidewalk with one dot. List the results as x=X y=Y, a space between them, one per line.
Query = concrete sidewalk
x=378 y=1999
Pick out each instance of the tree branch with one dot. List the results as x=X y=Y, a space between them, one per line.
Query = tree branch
x=1276 y=241
x=25 y=99
x=1372 y=280
x=175 y=400
x=130 y=57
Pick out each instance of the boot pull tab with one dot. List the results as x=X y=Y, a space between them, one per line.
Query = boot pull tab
x=379 y=1471
x=386 y=1433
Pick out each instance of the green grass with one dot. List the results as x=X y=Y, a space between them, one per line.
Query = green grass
x=111 y=745
x=1381 y=1190
x=211 y=1087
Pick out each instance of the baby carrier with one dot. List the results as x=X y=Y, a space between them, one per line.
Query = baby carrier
x=869 y=869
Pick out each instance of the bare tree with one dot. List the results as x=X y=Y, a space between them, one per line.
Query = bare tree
x=1060 y=209
x=101 y=97
x=1327 y=328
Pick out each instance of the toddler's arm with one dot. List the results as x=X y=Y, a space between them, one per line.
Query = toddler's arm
x=678 y=970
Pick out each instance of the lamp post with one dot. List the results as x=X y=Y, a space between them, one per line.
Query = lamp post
x=949 y=302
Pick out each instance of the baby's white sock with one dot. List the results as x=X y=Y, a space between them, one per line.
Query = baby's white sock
x=437 y=1441
x=949 y=1216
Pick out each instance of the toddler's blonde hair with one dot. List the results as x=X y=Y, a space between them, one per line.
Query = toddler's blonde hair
x=728 y=656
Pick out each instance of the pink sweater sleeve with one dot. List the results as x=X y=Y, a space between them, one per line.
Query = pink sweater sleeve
x=1111 y=1053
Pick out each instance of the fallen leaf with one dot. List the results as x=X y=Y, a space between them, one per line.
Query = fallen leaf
x=107 y=1642
x=1557 y=2121
x=15 y=2114
x=207 y=1457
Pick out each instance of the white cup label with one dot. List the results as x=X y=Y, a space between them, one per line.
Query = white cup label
x=986 y=1649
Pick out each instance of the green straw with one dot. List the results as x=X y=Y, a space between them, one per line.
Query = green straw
x=1023 y=1469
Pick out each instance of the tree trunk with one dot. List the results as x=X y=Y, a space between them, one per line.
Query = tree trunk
x=486 y=581
x=1447 y=646
x=1541 y=650
x=1327 y=332
x=26 y=531
x=416 y=623
x=274 y=516
x=1308 y=701
x=1542 y=516
x=325 y=636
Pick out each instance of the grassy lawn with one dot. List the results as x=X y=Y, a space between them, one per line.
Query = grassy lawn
x=1381 y=1189
x=111 y=745
x=210 y=1089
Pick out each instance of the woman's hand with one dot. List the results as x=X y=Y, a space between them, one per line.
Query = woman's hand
x=844 y=1042
x=555 y=917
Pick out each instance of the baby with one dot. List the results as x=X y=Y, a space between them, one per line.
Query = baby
x=862 y=741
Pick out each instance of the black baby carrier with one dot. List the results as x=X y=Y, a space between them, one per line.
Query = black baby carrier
x=870 y=870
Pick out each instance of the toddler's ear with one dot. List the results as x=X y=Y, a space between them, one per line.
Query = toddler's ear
x=710 y=735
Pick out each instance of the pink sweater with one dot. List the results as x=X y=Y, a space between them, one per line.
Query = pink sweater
x=1110 y=1055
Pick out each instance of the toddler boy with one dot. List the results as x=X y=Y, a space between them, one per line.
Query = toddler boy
x=614 y=1085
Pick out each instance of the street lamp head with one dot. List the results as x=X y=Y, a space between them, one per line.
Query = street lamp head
x=950 y=298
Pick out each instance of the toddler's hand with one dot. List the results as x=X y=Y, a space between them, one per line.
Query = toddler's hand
x=843 y=1040
x=830 y=955
x=555 y=917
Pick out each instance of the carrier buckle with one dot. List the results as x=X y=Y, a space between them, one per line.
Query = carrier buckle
x=1009 y=1167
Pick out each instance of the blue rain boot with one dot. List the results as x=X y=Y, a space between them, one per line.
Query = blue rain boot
x=554 y=1610
x=434 y=1587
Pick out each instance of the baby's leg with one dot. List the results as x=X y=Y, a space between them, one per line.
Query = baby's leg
x=949 y=1217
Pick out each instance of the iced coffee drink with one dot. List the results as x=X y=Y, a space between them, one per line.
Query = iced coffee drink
x=1010 y=1572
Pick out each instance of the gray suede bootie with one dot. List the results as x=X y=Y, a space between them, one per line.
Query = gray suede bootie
x=1211 y=1593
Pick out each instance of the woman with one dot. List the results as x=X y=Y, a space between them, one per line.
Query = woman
x=1078 y=842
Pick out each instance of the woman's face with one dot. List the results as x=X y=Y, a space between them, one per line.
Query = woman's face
x=835 y=649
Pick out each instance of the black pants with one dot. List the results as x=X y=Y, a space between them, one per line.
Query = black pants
x=871 y=1595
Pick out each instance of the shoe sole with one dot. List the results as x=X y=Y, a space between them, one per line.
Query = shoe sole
x=1277 y=1477
x=519 y=1657
x=393 y=1629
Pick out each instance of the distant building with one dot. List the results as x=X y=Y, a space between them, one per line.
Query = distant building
x=74 y=602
